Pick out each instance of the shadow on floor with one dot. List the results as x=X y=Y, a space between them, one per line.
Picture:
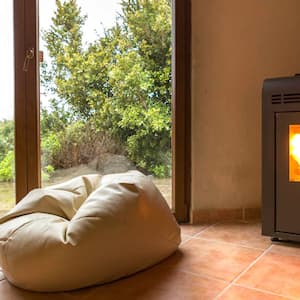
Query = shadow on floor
x=152 y=283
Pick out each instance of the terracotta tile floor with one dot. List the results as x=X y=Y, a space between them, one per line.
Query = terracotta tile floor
x=222 y=261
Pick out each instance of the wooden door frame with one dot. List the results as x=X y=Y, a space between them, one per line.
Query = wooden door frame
x=27 y=109
x=27 y=139
x=181 y=109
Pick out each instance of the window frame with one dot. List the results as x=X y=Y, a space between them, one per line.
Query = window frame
x=27 y=138
x=27 y=103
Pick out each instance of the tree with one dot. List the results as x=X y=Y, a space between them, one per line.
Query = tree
x=64 y=45
x=122 y=82
x=141 y=84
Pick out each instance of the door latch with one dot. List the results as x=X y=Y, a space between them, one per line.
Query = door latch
x=28 y=57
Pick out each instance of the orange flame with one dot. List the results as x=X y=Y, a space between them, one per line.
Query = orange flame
x=294 y=152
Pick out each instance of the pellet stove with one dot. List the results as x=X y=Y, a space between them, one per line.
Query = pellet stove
x=281 y=158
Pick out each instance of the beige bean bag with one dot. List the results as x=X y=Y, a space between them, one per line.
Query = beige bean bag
x=87 y=231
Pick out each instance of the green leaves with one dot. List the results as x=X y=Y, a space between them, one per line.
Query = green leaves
x=7 y=167
x=6 y=137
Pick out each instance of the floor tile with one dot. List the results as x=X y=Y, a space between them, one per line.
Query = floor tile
x=242 y=233
x=191 y=230
x=214 y=259
x=290 y=248
x=242 y=293
x=159 y=284
x=276 y=273
x=9 y=292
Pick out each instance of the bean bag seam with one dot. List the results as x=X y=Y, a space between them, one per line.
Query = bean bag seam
x=4 y=254
x=31 y=212
x=85 y=217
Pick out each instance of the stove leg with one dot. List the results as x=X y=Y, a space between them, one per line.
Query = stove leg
x=275 y=239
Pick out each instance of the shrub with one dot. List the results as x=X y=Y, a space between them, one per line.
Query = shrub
x=7 y=167
x=6 y=137
x=148 y=142
x=79 y=143
x=50 y=147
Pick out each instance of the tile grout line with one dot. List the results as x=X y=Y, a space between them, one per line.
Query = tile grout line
x=204 y=276
x=242 y=273
x=198 y=236
x=190 y=237
x=264 y=291
x=283 y=254
x=230 y=243
x=184 y=242
x=205 y=228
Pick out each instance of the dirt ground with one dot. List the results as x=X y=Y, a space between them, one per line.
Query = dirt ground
x=107 y=165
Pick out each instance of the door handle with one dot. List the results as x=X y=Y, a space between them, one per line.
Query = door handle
x=28 y=57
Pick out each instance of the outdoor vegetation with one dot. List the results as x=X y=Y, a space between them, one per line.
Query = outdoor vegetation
x=112 y=95
x=6 y=150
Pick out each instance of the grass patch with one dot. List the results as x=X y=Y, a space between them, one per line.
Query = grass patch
x=7 y=195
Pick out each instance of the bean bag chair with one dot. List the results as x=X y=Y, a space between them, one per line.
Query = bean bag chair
x=87 y=231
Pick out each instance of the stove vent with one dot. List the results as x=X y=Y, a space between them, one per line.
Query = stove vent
x=285 y=98
x=276 y=99
x=291 y=98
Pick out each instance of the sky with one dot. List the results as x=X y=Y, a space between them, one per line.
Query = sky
x=101 y=14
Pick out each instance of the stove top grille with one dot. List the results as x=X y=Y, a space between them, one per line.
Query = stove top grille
x=285 y=98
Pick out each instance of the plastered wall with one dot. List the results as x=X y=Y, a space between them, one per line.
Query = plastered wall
x=235 y=45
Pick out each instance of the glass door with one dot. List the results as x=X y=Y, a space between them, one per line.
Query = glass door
x=7 y=147
x=105 y=73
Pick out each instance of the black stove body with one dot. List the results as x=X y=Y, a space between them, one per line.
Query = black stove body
x=281 y=158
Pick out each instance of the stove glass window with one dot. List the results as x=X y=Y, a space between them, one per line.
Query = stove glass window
x=294 y=153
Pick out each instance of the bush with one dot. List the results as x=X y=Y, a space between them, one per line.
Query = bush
x=7 y=167
x=47 y=172
x=50 y=147
x=6 y=138
x=148 y=140
x=80 y=143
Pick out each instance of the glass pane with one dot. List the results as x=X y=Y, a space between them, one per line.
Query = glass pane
x=7 y=180
x=294 y=153
x=106 y=89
